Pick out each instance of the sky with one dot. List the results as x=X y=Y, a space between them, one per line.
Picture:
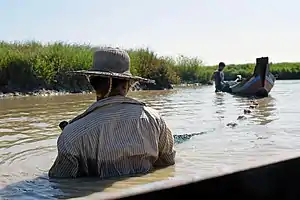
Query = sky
x=232 y=31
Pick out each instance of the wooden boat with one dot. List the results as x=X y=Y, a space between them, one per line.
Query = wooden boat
x=259 y=84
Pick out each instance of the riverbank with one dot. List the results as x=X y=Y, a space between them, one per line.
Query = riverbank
x=43 y=92
x=32 y=68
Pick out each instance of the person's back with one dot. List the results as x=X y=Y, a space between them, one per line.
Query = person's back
x=123 y=137
x=115 y=136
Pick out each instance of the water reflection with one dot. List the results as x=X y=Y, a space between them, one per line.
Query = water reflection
x=262 y=111
x=219 y=99
x=162 y=101
x=266 y=112
x=219 y=103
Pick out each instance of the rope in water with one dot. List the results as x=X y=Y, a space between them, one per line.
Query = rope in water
x=184 y=137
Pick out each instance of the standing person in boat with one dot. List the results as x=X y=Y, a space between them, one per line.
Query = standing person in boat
x=117 y=135
x=218 y=77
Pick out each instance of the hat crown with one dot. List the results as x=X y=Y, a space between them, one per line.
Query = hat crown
x=111 y=62
x=108 y=59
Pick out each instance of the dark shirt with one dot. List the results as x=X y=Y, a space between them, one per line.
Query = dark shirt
x=219 y=78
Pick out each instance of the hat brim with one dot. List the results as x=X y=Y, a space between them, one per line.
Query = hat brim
x=113 y=75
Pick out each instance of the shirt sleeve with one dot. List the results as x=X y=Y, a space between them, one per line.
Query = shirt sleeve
x=167 y=152
x=222 y=76
x=66 y=163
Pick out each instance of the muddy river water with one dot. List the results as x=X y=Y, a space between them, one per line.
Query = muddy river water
x=29 y=130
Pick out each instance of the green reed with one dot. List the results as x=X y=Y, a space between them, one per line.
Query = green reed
x=32 y=65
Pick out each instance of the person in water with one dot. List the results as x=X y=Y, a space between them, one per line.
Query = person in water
x=218 y=77
x=117 y=135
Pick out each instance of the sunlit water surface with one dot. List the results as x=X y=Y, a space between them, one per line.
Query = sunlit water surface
x=29 y=130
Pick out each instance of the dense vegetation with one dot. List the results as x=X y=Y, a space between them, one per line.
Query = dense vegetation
x=32 y=66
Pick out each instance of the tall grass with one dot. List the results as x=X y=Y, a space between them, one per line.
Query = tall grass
x=29 y=66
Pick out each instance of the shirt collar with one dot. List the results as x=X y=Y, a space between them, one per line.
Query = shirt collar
x=105 y=102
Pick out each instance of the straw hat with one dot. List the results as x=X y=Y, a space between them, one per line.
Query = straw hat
x=111 y=63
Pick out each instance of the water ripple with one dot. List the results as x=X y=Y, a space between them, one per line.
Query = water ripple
x=29 y=129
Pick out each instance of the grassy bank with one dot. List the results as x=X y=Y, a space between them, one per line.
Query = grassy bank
x=26 y=67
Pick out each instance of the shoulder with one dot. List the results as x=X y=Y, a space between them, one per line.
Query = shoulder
x=78 y=128
x=69 y=135
x=155 y=117
x=153 y=112
x=216 y=72
x=149 y=111
x=67 y=141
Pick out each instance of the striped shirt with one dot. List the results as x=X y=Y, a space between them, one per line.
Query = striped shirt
x=116 y=136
